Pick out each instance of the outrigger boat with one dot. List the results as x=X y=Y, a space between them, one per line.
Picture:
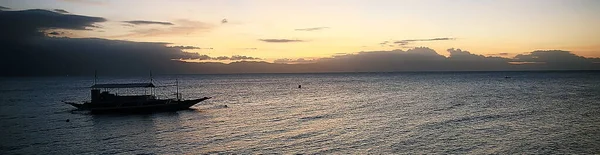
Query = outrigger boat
x=106 y=102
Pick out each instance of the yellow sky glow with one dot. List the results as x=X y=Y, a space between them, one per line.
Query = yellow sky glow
x=481 y=27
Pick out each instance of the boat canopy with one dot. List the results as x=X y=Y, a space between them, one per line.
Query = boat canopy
x=125 y=85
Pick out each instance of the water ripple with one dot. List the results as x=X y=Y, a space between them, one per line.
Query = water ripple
x=370 y=113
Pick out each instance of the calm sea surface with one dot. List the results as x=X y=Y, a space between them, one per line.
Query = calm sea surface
x=378 y=113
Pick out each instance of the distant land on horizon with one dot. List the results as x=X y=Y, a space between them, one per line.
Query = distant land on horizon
x=283 y=69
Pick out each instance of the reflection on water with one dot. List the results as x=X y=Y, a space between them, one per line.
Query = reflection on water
x=383 y=113
x=128 y=132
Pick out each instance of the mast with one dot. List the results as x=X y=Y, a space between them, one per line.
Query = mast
x=151 y=81
x=95 y=76
x=177 y=85
x=95 y=92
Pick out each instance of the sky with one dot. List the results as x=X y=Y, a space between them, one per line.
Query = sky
x=486 y=27
x=308 y=31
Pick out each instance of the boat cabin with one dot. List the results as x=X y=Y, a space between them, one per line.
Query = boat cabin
x=100 y=93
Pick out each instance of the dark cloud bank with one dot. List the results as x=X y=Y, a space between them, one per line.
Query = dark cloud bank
x=27 y=51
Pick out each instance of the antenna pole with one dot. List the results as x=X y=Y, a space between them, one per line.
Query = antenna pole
x=95 y=76
x=151 y=80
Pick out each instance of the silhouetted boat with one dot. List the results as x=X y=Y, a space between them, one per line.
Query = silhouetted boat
x=105 y=102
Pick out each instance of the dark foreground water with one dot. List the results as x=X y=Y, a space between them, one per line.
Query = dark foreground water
x=378 y=113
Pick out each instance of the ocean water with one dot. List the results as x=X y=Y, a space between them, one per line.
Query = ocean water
x=357 y=113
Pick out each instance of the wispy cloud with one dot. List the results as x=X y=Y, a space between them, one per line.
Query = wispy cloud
x=61 y=11
x=189 y=47
x=146 y=22
x=499 y=54
x=222 y=58
x=183 y=27
x=402 y=43
x=295 y=61
x=91 y=2
x=186 y=47
x=56 y=33
x=281 y=40
x=312 y=29
x=241 y=57
x=408 y=41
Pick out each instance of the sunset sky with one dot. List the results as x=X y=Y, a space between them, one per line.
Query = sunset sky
x=310 y=29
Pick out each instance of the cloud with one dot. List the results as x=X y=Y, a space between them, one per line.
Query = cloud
x=550 y=56
x=184 y=27
x=280 y=40
x=185 y=47
x=3 y=8
x=61 y=11
x=38 y=54
x=225 y=58
x=408 y=41
x=56 y=56
x=458 y=54
x=145 y=22
x=295 y=61
x=56 y=33
x=401 y=43
x=555 y=60
x=220 y=58
x=90 y=2
x=188 y=47
x=25 y=23
x=421 y=55
x=223 y=21
x=241 y=57
x=28 y=51
x=312 y=29
x=425 y=59
x=435 y=39
x=500 y=54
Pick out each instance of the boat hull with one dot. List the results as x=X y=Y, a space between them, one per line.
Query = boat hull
x=150 y=106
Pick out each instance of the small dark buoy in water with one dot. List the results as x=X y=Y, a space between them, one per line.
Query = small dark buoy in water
x=299 y=86
x=507 y=77
x=68 y=120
